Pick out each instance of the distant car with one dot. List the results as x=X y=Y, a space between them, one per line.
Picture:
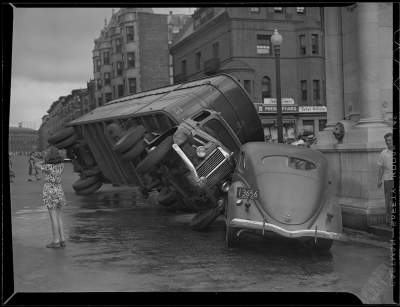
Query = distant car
x=67 y=160
x=283 y=189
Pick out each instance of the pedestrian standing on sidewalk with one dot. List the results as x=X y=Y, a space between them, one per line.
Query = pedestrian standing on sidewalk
x=32 y=168
x=12 y=174
x=53 y=193
x=385 y=174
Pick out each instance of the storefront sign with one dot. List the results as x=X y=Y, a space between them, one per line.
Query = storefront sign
x=263 y=108
x=312 y=109
x=284 y=101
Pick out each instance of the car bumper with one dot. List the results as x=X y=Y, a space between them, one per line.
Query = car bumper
x=249 y=224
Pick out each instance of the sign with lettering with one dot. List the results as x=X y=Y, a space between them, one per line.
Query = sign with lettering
x=312 y=109
x=263 y=108
x=284 y=101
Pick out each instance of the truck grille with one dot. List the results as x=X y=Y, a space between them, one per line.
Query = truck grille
x=215 y=168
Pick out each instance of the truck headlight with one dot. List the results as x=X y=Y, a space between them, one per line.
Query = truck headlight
x=201 y=152
x=225 y=186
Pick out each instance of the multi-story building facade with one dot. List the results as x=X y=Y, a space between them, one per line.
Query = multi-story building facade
x=22 y=140
x=131 y=54
x=237 y=41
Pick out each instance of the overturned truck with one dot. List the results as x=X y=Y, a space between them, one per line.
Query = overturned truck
x=182 y=140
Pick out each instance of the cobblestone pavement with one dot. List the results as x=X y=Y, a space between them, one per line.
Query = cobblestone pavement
x=117 y=242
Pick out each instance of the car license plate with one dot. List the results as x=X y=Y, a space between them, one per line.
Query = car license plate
x=245 y=193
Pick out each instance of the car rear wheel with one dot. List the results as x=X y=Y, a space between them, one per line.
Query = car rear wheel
x=61 y=135
x=231 y=236
x=322 y=245
x=129 y=139
x=135 y=151
x=155 y=155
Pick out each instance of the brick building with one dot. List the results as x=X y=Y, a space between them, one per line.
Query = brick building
x=236 y=40
x=131 y=54
x=62 y=111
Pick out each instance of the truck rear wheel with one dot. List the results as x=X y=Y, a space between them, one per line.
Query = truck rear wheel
x=129 y=139
x=71 y=140
x=91 y=189
x=156 y=155
x=84 y=183
x=135 y=151
x=61 y=135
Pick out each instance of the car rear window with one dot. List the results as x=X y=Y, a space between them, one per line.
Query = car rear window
x=277 y=162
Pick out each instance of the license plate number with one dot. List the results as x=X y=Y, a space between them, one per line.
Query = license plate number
x=245 y=193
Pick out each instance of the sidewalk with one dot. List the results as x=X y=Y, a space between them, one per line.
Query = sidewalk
x=353 y=235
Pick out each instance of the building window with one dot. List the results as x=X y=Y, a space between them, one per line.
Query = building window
x=106 y=58
x=120 y=90
x=98 y=64
x=263 y=44
x=108 y=97
x=129 y=34
x=247 y=86
x=198 y=59
x=215 y=50
x=184 y=67
x=321 y=124
x=278 y=9
x=118 y=45
x=316 y=91
x=119 y=68
x=131 y=60
x=265 y=88
x=254 y=10
x=99 y=85
x=300 y=10
x=107 y=78
x=132 y=85
x=302 y=42
x=100 y=101
x=308 y=125
x=314 y=44
x=303 y=90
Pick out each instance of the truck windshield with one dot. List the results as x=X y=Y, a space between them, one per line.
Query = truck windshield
x=218 y=131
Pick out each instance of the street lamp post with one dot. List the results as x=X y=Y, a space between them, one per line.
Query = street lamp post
x=276 y=40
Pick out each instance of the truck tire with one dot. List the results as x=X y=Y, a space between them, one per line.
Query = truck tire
x=135 y=151
x=202 y=220
x=77 y=168
x=91 y=172
x=71 y=140
x=129 y=139
x=85 y=155
x=91 y=189
x=61 y=135
x=156 y=155
x=166 y=197
x=84 y=183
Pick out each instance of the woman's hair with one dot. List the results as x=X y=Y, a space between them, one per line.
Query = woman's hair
x=53 y=156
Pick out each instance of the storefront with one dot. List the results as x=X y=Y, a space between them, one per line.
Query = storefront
x=296 y=119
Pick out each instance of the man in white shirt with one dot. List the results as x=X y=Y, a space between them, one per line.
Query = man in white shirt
x=385 y=173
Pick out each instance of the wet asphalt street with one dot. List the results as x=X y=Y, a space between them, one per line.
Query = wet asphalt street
x=118 y=242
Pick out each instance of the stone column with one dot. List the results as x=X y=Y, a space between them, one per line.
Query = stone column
x=333 y=65
x=333 y=74
x=369 y=63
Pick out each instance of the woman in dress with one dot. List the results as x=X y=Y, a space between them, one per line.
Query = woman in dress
x=53 y=193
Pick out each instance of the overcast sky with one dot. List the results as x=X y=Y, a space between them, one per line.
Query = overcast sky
x=52 y=55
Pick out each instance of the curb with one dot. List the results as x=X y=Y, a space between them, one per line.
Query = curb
x=352 y=235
